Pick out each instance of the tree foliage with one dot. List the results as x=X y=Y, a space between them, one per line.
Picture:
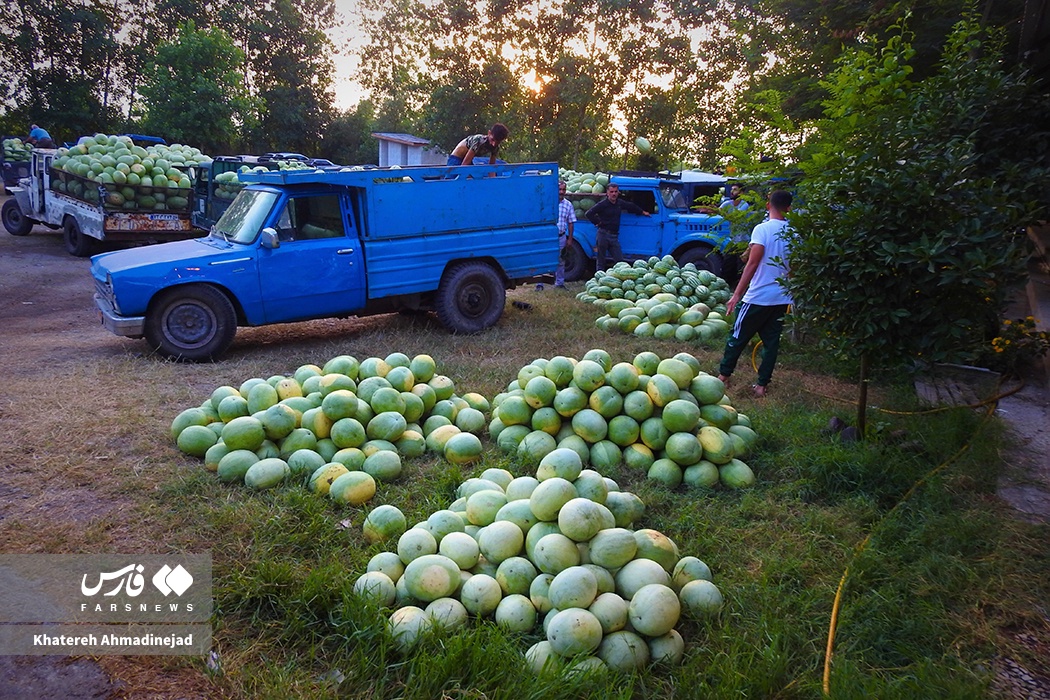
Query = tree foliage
x=195 y=89
x=910 y=241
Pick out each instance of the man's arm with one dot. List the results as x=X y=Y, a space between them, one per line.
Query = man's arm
x=633 y=208
x=594 y=213
x=755 y=253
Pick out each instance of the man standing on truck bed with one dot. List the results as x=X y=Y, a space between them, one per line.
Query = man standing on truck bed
x=39 y=137
x=479 y=145
x=605 y=215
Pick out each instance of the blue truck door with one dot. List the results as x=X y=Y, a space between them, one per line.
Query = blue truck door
x=641 y=236
x=318 y=269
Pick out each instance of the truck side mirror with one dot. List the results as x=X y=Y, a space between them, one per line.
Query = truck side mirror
x=268 y=238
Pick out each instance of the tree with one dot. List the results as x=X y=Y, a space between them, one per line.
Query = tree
x=195 y=90
x=60 y=65
x=348 y=138
x=910 y=241
x=290 y=71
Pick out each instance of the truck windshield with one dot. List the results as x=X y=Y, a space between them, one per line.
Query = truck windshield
x=245 y=216
x=673 y=197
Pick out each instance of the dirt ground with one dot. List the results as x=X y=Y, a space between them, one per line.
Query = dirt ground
x=48 y=324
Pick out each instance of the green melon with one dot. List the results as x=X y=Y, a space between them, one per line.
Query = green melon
x=303 y=463
x=560 y=462
x=554 y=552
x=500 y=540
x=463 y=448
x=196 y=440
x=235 y=465
x=534 y=447
x=384 y=523
x=481 y=594
x=654 y=610
x=244 y=433
x=574 y=632
x=624 y=651
x=702 y=475
x=613 y=547
x=384 y=465
x=717 y=445
x=700 y=598
x=375 y=587
x=321 y=480
x=736 y=474
x=569 y=401
x=353 y=488
x=707 y=388
x=667 y=472
x=266 y=473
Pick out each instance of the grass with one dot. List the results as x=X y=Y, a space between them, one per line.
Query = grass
x=925 y=604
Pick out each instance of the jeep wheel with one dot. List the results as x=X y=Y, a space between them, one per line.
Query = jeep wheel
x=703 y=258
x=470 y=298
x=577 y=264
x=192 y=322
x=16 y=223
x=77 y=244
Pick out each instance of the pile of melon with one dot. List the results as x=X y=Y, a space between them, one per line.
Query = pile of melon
x=17 y=151
x=657 y=298
x=132 y=178
x=336 y=429
x=228 y=184
x=554 y=550
x=584 y=190
x=666 y=418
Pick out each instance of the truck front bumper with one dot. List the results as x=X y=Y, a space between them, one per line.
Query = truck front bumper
x=127 y=326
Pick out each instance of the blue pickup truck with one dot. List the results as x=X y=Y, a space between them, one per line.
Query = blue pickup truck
x=304 y=244
x=672 y=228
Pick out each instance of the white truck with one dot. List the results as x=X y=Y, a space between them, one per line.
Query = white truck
x=44 y=197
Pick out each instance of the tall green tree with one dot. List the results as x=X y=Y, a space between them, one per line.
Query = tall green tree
x=195 y=90
x=916 y=193
x=290 y=67
x=60 y=64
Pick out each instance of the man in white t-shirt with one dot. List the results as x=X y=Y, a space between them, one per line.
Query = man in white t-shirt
x=762 y=298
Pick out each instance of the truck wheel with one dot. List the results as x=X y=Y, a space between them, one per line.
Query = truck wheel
x=77 y=244
x=577 y=264
x=16 y=223
x=470 y=298
x=703 y=258
x=192 y=322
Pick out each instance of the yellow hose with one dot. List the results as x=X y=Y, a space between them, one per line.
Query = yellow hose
x=864 y=543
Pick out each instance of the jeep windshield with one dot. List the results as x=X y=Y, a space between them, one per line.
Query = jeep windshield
x=243 y=219
x=673 y=197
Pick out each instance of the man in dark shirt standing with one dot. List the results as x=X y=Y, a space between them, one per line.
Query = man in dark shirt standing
x=605 y=215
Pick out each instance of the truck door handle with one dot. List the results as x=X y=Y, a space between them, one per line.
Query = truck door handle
x=345 y=251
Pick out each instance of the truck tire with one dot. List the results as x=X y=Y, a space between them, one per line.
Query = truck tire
x=193 y=322
x=577 y=265
x=16 y=223
x=77 y=244
x=470 y=297
x=703 y=258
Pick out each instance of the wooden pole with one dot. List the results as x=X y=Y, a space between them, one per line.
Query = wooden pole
x=862 y=399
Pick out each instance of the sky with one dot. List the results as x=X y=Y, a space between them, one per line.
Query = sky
x=348 y=43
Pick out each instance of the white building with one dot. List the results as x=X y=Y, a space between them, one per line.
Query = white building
x=406 y=149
